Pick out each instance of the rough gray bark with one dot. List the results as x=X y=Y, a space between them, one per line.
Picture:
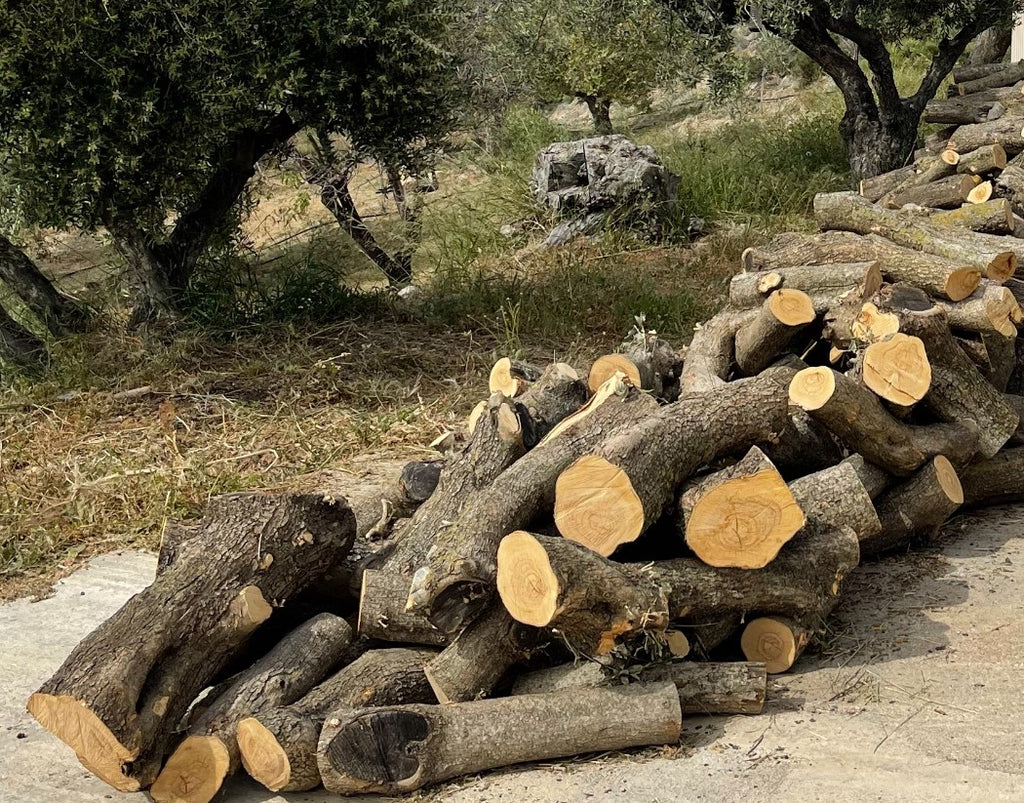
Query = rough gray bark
x=58 y=313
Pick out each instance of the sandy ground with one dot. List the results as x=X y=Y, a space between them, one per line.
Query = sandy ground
x=915 y=696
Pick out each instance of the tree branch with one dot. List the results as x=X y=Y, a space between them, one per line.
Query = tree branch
x=949 y=50
x=874 y=51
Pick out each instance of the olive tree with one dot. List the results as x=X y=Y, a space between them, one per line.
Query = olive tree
x=599 y=51
x=148 y=117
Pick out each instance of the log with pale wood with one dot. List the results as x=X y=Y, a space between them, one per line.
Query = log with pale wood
x=760 y=341
x=646 y=360
x=824 y=284
x=512 y=377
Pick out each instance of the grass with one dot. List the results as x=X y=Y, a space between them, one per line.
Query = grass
x=296 y=361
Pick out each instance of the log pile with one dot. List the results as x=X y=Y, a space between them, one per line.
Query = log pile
x=861 y=385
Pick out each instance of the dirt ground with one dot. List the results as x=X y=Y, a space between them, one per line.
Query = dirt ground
x=915 y=696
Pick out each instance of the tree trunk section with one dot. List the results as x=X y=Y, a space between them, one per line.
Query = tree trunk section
x=825 y=284
x=989 y=217
x=946 y=193
x=782 y=315
x=1005 y=132
x=382 y=613
x=118 y=697
x=278 y=747
x=600 y=113
x=18 y=345
x=836 y=497
x=399 y=749
x=990 y=308
x=58 y=313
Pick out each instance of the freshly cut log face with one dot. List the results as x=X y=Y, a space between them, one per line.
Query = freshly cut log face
x=742 y=516
x=980 y=194
x=991 y=308
x=594 y=494
x=783 y=314
x=775 y=642
x=604 y=368
x=400 y=749
x=512 y=377
x=897 y=369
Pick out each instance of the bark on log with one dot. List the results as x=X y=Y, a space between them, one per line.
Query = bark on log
x=958 y=390
x=983 y=160
x=1009 y=75
x=874 y=479
x=647 y=361
x=611 y=494
x=782 y=315
x=1001 y=352
x=990 y=217
x=803 y=447
x=1006 y=131
x=995 y=256
x=977 y=67
x=995 y=481
x=836 y=497
x=119 y=695
x=456 y=577
x=382 y=613
x=945 y=193
x=689 y=593
x=557 y=394
x=400 y=749
x=971 y=109
x=278 y=747
x=704 y=688
x=512 y=377
x=710 y=355
x=775 y=641
x=858 y=418
x=825 y=284
x=1010 y=185
x=933 y=274
x=917 y=508
x=197 y=768
x=875 y=187
x=740 y=516
x=472 y=665
x=990 y=308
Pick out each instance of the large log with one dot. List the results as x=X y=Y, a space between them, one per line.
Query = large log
x=991 y=217
x=916 y=508
x=278 y=747
x=836 y=497
x=965 y=110
x=566 y=578
x=897 y=369
x=613 y=493
x=382 y=613
x=995 y=481
x=933 y=274
x=1006 y=132
x=740 y=516
x=117 y=698
x=209 y=754
x=875 y=187
x=782 y=315
x=972 y=69
x=704 y=688
x=945 y=193
x=858 y=418
x=1009 y=75
x=399 y=749
x=823 y=283
x=453 y=581
x=990 y=308
x=709 y=358
x=847 y=211
x=803 y=447
x=983 y=160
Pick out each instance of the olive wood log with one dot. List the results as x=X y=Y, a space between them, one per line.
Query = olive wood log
x=945 y=193
x=858 y=418
x=740 y=516
x=383 y=616
x=775 y=641
x=1001 y=354
x=873 y=478
x=823 y=283
x=983 y=160
x=782 y=315
x=991 y=217
x=970 y=109
x=613 y=493
x=803 y=447
x=704 y=688
x=399 y=749
x=554 y=396
x=512 y=377
x=998 y=480
x=1006 y=132
x=847 y=211
x=455 y=578
x=709 y=358
x=916 y=508
x=971 y=71
x=278 y=746
x=118 y=697
x=897 y=369
x=1009 y=75
x=647 y=361
x=933 y=274
x=197 y=768
x=990 y=308
x=836 y=497
x=875 y=187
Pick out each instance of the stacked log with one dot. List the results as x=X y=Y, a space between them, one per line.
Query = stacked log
x=849 y=398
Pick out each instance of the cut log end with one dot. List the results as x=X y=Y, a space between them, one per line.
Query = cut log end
x=961 y=283
x=502 y=379
x=811 y=388
x=791 y=307
x=526 y=582
x=1002 y=267
x=776 y=643
x=898 y=370
x=597 y=506
x=263 y=758
x=194 y=773
x=948 y=480
x=980 y=193
x=604 y=368
x=379 y=747
x=77 y=726
x=950 y=157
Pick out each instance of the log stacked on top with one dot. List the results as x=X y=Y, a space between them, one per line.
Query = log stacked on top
x=861 y=385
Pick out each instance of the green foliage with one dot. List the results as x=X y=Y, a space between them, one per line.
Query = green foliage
x=126 y=109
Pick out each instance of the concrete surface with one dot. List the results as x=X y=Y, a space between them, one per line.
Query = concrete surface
x=915 y=696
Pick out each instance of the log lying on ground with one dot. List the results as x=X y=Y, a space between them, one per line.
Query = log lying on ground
x=823 y=283
x=958 y=390
x=399 y=749
x=704 y=688
x=897 y=369
x=382 y=613
x=610 y=495
x=836 y=497
x=1006 y=132
x=946 y=193
x=710 y=355
x=553 y=397
x=990 y=217
x=774 y=641
x=970 y=71
x=512 y=377
x=916 y=508
x=985 y=159
x=118 y=697
x=933 y=274
x=847 y=211
x=991 y=308
x=455 y=578
x=1010 y=74
x=647 y=361
x=566 y=577
x=782 y=315
x=198 y=767
x=858 y=418
x=278 y=747
x=998 y=480
x=477 y=659
x=741 y=516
